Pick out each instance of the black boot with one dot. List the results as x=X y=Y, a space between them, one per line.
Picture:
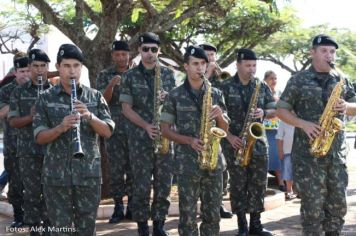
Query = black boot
x=128 y=214
x=256 y=227
x=332 y=233
x=118 y=214
x=158 y=228
x=18 y=217
x=242 y=223
x=225 y=213
x=143 y=229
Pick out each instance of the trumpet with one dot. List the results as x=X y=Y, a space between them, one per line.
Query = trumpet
x=220 y=73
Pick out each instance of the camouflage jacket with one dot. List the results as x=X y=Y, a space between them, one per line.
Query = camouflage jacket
x=183 y=110
x=137 y=90
x=305 y=95
x=10 y=134
x=237 y=97
x=59 y=167
x=102 y=82
x=21 y=101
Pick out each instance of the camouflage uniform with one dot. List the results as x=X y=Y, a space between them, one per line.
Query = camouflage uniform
x=71 y=185
x=320 y=182
x=11 y=162
x=247 y=184
x=30 y=154
x=117 y=145
x=137 y=90
x=181 y=110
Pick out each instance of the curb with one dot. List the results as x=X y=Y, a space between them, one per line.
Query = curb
x=105 y=211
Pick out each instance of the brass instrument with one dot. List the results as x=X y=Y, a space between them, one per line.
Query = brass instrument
x=220 y=73
x=76 y=144
x=161 y=144
x=328 y=122
x=39 y=85
x=211 y=136
x=251 y=131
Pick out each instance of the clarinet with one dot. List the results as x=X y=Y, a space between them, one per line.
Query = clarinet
x=76 y=144
x=39 y=85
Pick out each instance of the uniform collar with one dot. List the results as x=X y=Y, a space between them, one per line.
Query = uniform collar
x=59 y=88
x=144 y=70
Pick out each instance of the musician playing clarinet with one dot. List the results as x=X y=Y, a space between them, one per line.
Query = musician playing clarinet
x=71 y=183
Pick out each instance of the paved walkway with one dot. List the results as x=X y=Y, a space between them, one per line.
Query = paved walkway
x=282 y=221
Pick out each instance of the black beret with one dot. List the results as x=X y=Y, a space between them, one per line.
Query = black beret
x=208 y=47
x=69 y=51
x=245 y=54
x=323 y=39
x=120 y=46
x=196 y=51
x=38 y=55
x=149 y=37
x=21 y=62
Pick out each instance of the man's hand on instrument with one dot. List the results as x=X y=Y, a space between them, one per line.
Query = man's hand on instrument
x=83 y=110
x=215 y=112
x=116 y=80
x=235 y=141
x=311 y=129
x=340 y=106
x=152 y=131
x=69 y=122
x=197 y=145
x=258 y=113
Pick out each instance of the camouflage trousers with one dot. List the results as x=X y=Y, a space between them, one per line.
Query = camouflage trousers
x=72 y=208
x=145 y=164
x=208 y=187
x=247 y=184
x=34 y=205
x=120 y=170
x=15 y=192
x=321 y=185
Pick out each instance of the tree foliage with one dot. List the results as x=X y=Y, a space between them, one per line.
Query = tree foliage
x=93 y=25
x=290 y=48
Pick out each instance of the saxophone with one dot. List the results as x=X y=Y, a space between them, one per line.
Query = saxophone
x=210 y=135
x=251 y=131
x=328 y=122
x=161 y=144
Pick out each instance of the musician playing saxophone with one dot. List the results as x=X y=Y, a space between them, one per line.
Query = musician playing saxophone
x=321 y=180
x=213 y=74
x=71 y=186
x=140 y=96
x=183 y=108
x=247 y=182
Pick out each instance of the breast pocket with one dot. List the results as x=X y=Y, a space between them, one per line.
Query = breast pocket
x=57 y=114
x=187 y=120
x=140 y=93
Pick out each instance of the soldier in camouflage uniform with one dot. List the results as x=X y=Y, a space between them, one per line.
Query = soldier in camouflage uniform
x=320 y=182
x=30 y=154
x=213 y=74
x=11 y=161
x=137 y=99
x=108 y=82
x=182 y=108
x=71 y=185
x=247 y=184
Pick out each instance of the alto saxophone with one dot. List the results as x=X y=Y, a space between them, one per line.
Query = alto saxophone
x=328 y=122
x=161 y=144
x=251 y=130
x=210 y=135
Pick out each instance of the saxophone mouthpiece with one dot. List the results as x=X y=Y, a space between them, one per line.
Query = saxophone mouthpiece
x=331 y=64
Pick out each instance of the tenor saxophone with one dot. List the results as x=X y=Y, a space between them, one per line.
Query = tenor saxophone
x=210 y=135
x=328 y=122
x=161 y=144
x=251 y=130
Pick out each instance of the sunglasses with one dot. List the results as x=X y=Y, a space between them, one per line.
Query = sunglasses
x=153 y=49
